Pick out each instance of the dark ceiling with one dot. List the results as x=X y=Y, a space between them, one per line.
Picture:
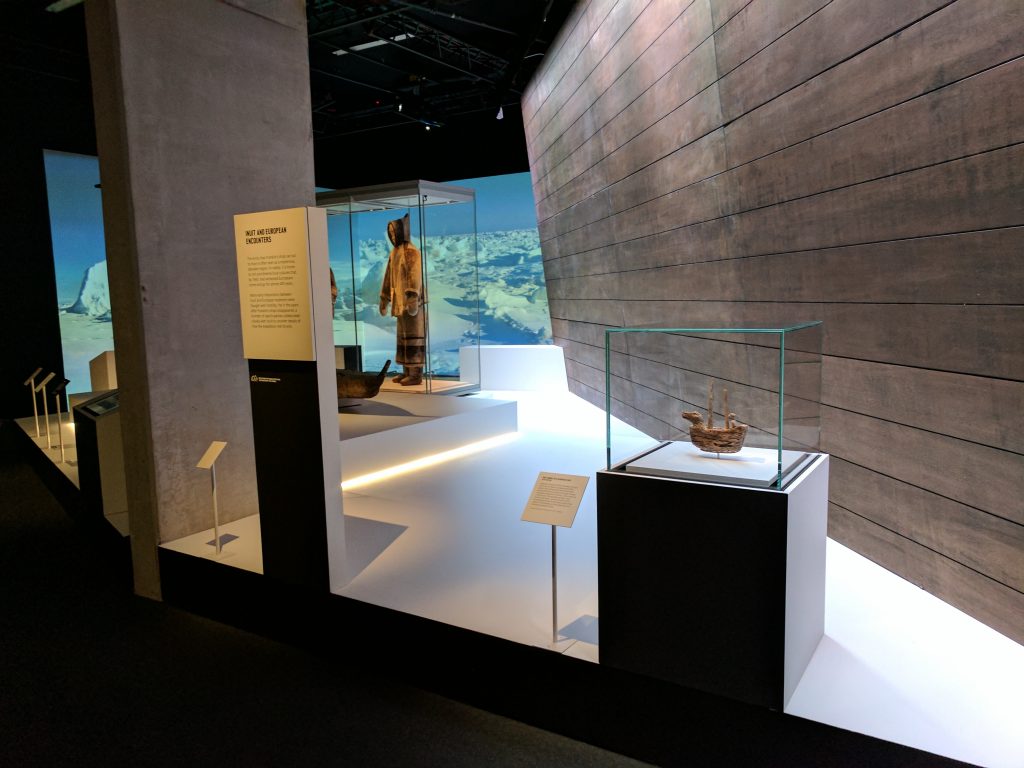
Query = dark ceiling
x=399 y=89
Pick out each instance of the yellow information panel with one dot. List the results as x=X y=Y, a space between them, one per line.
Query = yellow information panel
x=274 y=285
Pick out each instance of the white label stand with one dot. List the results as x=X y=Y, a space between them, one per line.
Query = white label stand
x=30 y=382
x=554 y=584
x=207 y=462
x=58 y=391
x=60 y=428
x=554 y=501
x=46 y=408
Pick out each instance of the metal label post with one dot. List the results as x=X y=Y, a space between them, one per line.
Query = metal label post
x=30 y=382
x=554 y=584
x=554 y=501
x=57 y=392
x=46 y=408
x=60 y=431
x=216 y=517
x=208 y=461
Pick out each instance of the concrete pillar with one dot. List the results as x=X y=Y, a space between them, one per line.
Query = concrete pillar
x=202 y=111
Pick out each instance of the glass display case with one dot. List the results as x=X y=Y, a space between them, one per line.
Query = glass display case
x=404 y=259
x=738 y=406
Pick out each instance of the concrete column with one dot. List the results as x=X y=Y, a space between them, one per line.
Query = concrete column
x=202 y=111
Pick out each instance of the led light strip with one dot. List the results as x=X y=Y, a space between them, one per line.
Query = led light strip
x=428 y=461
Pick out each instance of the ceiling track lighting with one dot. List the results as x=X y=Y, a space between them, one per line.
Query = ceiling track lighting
x=343 y=51
x=63 y=5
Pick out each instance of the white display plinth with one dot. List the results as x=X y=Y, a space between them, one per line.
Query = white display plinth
x=516 y=367
x=753 y=467
x=103 y=372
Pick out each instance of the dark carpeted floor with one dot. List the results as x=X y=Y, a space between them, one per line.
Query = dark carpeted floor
x=92 y=675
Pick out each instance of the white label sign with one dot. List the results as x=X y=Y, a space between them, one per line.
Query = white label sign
x=211 y=454
x=274 y=287
x=45 y=381
x=555 y=499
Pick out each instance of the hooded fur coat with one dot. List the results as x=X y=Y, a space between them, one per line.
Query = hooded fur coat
x=402 y=289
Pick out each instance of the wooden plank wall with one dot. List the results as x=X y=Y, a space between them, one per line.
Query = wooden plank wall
x=855 y=161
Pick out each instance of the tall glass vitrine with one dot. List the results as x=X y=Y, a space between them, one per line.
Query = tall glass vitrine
x=442 y=228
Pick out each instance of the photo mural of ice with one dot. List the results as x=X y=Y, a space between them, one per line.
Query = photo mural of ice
x=513 y=306
x=79 y=259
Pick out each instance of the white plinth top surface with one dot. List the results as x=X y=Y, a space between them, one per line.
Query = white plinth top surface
x=757 y=467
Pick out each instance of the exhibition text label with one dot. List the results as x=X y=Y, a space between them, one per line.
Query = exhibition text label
x=263 y=235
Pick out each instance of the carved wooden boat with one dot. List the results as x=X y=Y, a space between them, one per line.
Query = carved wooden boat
x=719 y=439
x=358 y=384
x=712 y=439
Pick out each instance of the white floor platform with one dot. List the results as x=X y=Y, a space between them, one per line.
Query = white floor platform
x=902 y=665
x=67 y=430
x=446 y=543
x=896 y=663
x=465 y=557
x=69 y=465
x=243 y=551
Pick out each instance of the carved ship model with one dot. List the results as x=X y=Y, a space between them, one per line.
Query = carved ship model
x=712 y=439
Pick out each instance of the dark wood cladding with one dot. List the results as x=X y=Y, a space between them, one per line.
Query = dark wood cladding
x=737 y=162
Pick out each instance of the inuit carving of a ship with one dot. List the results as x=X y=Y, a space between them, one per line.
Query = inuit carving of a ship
x=359 y=384
x=712 y=439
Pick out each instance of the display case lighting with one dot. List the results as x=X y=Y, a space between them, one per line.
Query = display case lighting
x=428 y=461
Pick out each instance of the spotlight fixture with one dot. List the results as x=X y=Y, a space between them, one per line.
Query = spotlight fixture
x=399 y=106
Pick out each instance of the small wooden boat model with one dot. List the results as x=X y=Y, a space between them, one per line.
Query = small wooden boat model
x=712 y=439
x=359 y=384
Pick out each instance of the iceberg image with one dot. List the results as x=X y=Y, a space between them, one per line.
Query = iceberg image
x=85 y=327
x=94 y=295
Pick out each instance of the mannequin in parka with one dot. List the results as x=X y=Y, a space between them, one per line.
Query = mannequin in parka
x=403 y=290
